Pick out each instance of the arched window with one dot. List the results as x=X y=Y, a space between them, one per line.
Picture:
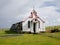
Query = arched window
x=39 y=24
x=28 y=24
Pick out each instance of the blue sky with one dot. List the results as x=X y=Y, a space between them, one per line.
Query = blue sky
x=12 y=11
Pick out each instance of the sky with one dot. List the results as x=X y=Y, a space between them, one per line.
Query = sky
x=13 y=11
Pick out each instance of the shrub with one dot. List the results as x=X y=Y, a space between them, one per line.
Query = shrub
x=55 y=30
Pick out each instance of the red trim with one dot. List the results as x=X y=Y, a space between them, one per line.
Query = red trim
x=31 y=16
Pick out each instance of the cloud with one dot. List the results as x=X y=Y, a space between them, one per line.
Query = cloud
x=58 y=19
x=12 y=11
x=49 y=14
x=45 y=4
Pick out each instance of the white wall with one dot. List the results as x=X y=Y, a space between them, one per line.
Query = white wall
x=25 y=26
x=42 y=26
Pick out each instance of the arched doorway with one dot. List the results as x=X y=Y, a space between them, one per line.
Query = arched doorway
x=34 y=27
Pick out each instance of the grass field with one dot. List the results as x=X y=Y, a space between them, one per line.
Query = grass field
x=53 y=27
x=29 y=39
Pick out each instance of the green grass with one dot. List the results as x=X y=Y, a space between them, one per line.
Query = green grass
x=53 y=34
x=53 y=27
x=29 y=39
x=2 y=32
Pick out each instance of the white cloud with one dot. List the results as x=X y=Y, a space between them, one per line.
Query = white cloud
x=48 y=0
x=17 y=10
x=58 y=19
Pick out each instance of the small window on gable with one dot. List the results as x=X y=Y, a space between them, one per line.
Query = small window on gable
x=28 y=24
x=35 y=19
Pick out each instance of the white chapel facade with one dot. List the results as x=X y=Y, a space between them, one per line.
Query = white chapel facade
x=33 y=23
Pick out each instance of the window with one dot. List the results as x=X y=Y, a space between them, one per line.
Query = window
x=21 y=25
x=35 y=19
x=28 y=24
x=39 y=24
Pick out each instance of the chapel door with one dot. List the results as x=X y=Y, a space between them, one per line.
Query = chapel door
x=34 y=27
